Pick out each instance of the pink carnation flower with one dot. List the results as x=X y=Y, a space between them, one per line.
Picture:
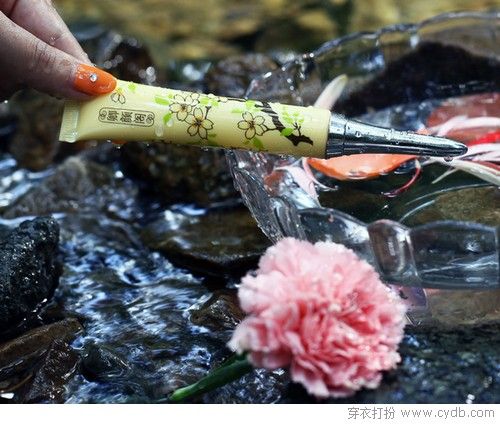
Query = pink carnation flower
x=324 y=313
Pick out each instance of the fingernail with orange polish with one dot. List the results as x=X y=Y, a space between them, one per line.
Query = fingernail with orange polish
x=93 y=81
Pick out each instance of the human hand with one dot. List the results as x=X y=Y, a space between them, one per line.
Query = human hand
x=37 y=50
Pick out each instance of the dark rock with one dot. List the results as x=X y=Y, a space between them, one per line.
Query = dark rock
x=226 y=241
x=35 y=144
x=231 y=77
x=4 y=231
x=364 y=205
x=455 y=308
x=91 y=35
x=480 y=204
x=56 y=369
x=29 y=270
x=220 y=312
x=21 y=353
x=431 y=71
x=310 y=28
x=179 y=173
x=127 y=59
x=8 y=124
x=76 y=185
x=101 y=364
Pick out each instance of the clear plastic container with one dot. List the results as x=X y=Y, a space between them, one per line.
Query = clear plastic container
x=448 y=269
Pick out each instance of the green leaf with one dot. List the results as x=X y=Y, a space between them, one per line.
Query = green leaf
x=132 y=86
x=204 y=101
x=167 y=117
x=285 y=132
x=162 y=101
x=288 y=120
x=257 y=143
x=250 y=104
x=237 y=111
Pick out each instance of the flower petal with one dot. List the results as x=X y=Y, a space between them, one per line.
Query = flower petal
x=192 y=130
x=259 y=120
x=259 y=129
x=198 y=113
x=175 y=107
x=243 y=125
x=250 y=133
x=202 y=132
x=247 y=116
x=207 y=124
x=324 y=311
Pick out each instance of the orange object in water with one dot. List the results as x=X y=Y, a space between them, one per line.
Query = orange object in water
x=359 y=167
x=472 y=106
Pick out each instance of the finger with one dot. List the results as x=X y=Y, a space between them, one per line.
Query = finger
x=29 y=61
x=41 y=19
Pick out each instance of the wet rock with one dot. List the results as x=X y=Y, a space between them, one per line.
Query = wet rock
x=454 y=308
x=231 y=77
x=314 y=25
x=179 y=173
x=7 y=124
x=432 y=71
x=29 y=270
x=89 y=34
x=56 y=369
x=371 y=15
x=218 y=242
x=35 y=143
x=21 y=353
x=4 y=231
x=348 y=198
x=102 y=364
x=220 y=312
x=76 y=185
x=127 y=59
x=221 y=28
x=475 y=204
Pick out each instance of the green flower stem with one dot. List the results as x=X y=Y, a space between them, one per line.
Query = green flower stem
x=233 y=369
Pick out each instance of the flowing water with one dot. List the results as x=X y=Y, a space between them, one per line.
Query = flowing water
x=139 y=341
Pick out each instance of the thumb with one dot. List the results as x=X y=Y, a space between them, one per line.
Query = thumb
x=36 y=64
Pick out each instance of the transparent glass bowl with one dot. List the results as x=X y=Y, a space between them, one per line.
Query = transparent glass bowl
x=436 y=264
